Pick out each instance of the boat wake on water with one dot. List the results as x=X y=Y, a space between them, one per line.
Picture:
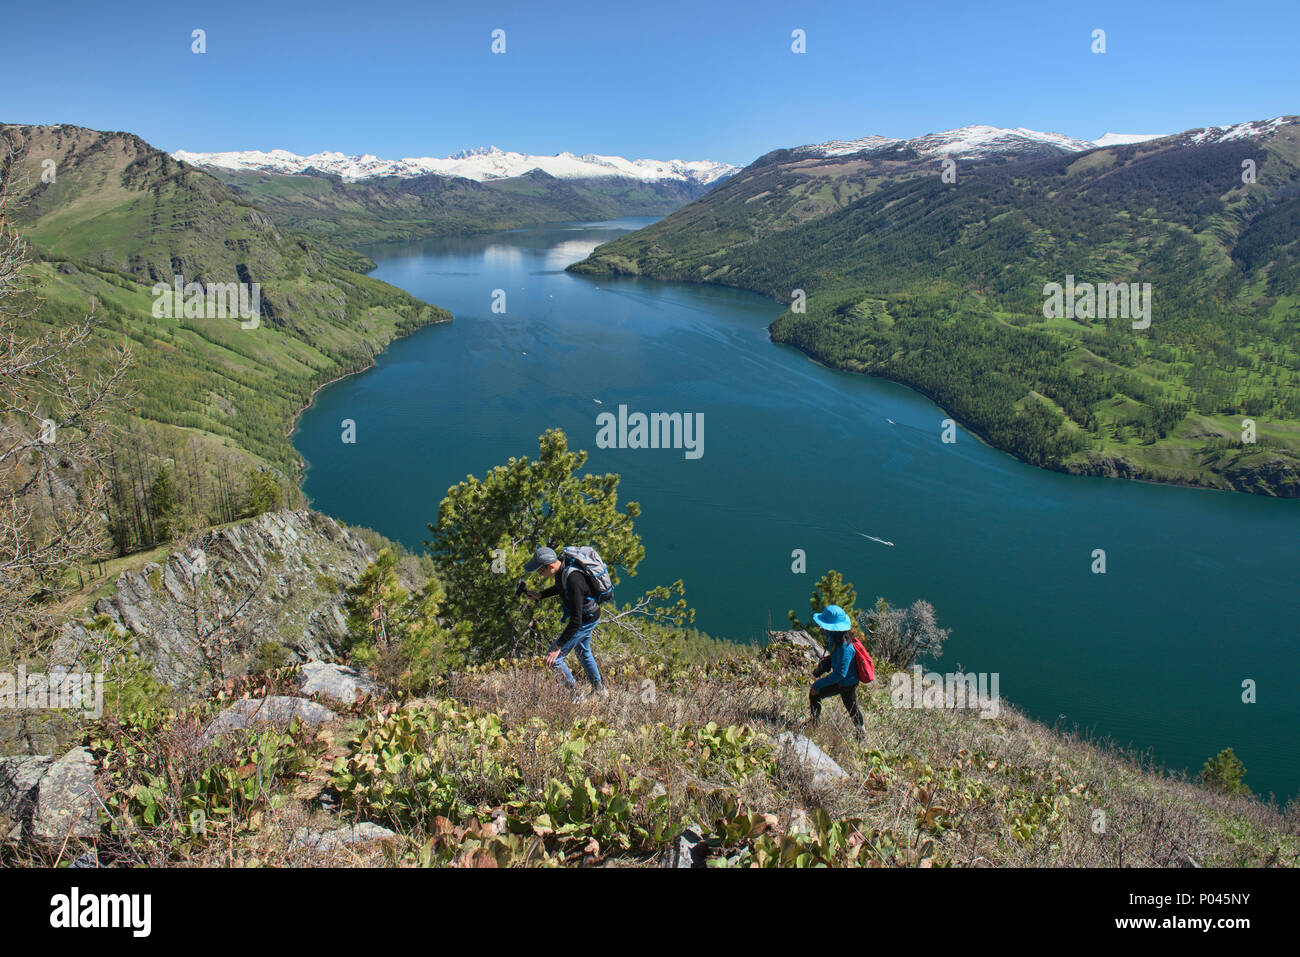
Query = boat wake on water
x=874 y=539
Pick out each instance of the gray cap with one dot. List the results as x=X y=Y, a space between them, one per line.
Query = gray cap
x=543 y=556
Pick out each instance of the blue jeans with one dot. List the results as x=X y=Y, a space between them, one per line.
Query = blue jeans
x=581 y=640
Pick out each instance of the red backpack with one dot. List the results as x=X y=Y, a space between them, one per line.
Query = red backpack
x=862 y=663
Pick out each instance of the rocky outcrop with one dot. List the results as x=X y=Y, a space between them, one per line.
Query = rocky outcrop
x=279 y=576
x=275 y=711
x=794 y=647
x=335 y=683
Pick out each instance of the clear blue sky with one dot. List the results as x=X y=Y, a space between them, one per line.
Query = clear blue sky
x=655 y=78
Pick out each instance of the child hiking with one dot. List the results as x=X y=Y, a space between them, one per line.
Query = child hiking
x=841 y=667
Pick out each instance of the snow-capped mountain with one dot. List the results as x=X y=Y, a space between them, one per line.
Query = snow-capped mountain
x=978 y=142
x=1251 y=129
x=478 y=164
x=975 y=142
x=968 y=142
x=1124 y=139
x=845 y=147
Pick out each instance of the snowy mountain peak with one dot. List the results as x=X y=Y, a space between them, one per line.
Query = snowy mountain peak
x=968 y=142
x=1252 y=129
x=480 y=163
x=974 y=142
x=1124 y=139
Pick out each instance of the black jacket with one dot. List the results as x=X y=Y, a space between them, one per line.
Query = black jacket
x=577 y=594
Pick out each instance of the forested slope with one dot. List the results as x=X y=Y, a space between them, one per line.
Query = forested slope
x=941 y=285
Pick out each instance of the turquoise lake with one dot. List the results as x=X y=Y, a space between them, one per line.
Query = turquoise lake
x=1200 y=591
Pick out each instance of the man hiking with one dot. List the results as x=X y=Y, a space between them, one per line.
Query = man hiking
x=580 y=600
x=838 y=666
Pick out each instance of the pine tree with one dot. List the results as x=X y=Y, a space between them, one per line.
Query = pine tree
x=1224 y=772
x=488 y=528
x=831 y=590
x=163 y=505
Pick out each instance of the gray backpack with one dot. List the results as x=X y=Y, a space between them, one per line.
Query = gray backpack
x=588 y=561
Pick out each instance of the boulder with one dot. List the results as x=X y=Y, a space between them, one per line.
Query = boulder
x=276 y=710
x=689 y=850
x=799 y=754
x=333 y=682
x=19 y=777
x=362 y=833
x=798 y=645
x=66 y=804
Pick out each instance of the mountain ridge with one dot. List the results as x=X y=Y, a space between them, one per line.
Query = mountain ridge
x=479 y=164
x=938 y=281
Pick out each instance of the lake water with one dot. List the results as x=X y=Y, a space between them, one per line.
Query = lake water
x=1200 y=591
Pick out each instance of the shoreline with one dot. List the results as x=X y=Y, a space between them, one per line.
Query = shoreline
x=1143 y=476
x=311 y=399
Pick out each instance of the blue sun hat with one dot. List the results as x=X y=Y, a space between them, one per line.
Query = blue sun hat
x=832 y=618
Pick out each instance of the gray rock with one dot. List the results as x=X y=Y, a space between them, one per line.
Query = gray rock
x=278 y=559
x=362 y=833
x=277 y=710
x=66 y=805
x=801 y=643
x=799 y=754
x=19 y=777
x=689 y=850
x=334 y=682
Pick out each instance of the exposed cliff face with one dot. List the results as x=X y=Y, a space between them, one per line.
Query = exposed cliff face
x=1261 y=472
x=278 y=577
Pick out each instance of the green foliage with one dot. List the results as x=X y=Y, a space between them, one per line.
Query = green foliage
x=164 y=793
x=163 y=505
x=731 y=754
x=399 y=635
x=831 y=590
x=417 y=764
x=1225 y=772
x=488 y=528
x=575 y=815
x=754 y=840
x=262 y=492
x=271 y=655
x=129 y=683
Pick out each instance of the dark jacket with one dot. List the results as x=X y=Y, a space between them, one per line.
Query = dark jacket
x=577 y=594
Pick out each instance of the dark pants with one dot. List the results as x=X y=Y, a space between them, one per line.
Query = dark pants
x=848 y=694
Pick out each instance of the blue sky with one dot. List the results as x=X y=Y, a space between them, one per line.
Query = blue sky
x=656 y=78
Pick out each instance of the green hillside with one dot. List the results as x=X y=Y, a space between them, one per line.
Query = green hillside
x=121 y=216
x=941 y=286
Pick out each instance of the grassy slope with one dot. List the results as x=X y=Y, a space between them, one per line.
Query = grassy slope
x=940 y=286
x=505 y=744
x=121 y=216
